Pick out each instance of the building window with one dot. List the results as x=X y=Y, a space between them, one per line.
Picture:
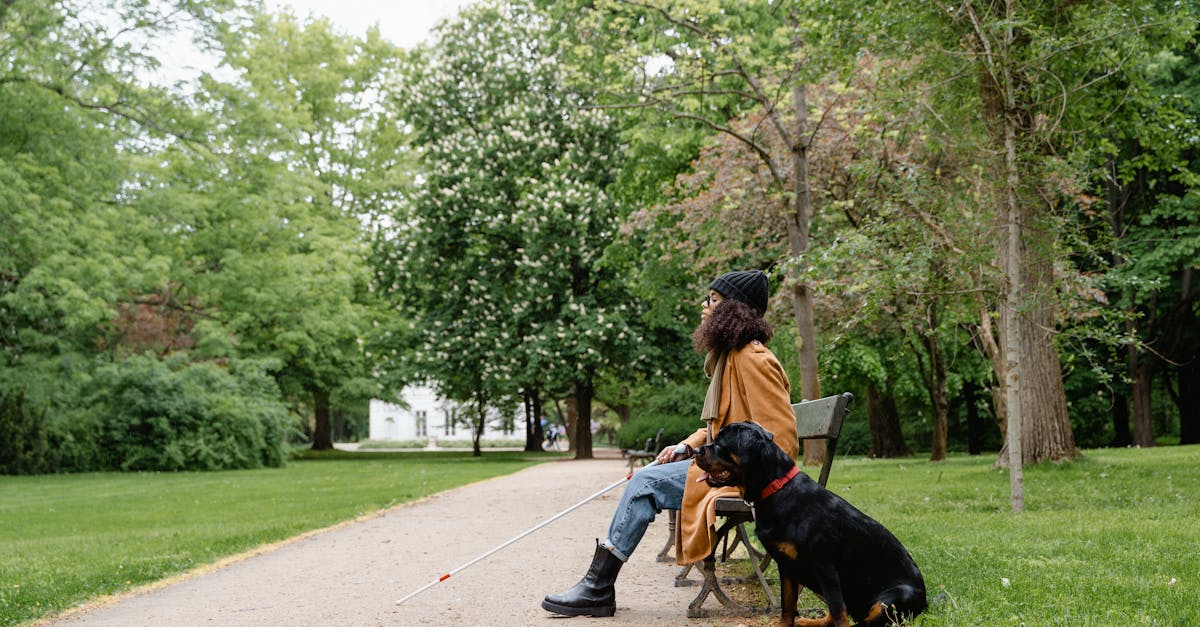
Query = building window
x=422 y=427
x=450 y=426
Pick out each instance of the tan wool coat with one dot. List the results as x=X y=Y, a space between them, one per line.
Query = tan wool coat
x=754 y=388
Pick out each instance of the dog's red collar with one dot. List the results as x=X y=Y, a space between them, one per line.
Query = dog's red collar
x=779 y=483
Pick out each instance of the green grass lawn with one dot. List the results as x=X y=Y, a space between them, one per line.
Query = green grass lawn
x=1110 y=539
x=67 y=538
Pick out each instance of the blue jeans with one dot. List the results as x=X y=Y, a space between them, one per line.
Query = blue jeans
x=650 y=491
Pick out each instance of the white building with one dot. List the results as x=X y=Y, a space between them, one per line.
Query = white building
x=431 y=418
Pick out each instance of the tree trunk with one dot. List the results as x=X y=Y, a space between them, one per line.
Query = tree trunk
x=529 y=437
x=534 y=434
x=974 y=423
x=986 y=337
x=322 y=439
x=887 y=439
x=1045 y=427
x=1120 y=417
x=937 y=387
x=480 y=423
x=1187 y=355
x=583 y=422
x=1038 y=427
x=1143 y=379
x=798 y=222
x=1011 y=260
x=1189 y=401
x=572 y=418
x=539 y=417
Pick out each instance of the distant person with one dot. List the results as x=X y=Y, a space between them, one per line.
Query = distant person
x=746 y=383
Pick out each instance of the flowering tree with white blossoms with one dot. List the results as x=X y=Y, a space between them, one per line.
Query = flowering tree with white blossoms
x=496 y=266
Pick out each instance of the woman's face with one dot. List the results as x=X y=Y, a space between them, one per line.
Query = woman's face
x=708 y=303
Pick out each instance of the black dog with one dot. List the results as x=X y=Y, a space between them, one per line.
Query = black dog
x=818 y=539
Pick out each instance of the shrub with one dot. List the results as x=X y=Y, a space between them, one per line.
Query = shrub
x=633 y=434
x=855 y=438
x=675 y=410
x=24 y=449
x=74 y=437
x=176 y=415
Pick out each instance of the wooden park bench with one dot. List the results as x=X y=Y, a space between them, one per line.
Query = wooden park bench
x=819 y=419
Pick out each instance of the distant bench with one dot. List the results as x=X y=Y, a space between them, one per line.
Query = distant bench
x=640 y=457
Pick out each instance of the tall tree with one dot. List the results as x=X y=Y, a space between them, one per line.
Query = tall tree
x=271 y=251
x=1029 y=62
x=708 y=63
x=1147 y=174
x=499 y=259
x=74 y=109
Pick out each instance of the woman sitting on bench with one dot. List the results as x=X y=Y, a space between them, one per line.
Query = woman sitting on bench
x=733 y=334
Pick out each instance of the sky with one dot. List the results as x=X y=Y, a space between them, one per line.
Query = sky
x=403 y=22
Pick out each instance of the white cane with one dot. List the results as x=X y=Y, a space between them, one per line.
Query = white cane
x=522 y=535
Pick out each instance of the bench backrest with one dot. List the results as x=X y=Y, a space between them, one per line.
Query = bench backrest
x=821 y=419
x=652 y=444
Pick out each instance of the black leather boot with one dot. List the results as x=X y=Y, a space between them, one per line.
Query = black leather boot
x=595 y=594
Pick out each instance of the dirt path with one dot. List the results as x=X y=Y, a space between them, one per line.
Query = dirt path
x=353 y=574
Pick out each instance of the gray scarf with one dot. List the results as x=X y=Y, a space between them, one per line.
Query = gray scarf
x=714 y=367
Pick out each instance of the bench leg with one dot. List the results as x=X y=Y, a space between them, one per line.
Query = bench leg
x=664 y=554
x=741 y=537
x=711 y=583
x=681 y=579
x=761 y=562
x=712 y=586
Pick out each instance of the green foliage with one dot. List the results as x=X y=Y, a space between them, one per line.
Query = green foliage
x=674 y=408
x=23 y=447
x=174 y=415
x=1140 y=150
x=639 y=429
x=266 y=241
x=1102 y=143
x=855 y=438
x=679 y=399
x=1090 y=403
x=519 y=243
x=63 y=253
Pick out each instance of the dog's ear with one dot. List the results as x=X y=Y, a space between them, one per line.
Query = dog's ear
x=751 y=438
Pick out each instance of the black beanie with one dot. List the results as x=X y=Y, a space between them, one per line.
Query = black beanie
x=748 y=286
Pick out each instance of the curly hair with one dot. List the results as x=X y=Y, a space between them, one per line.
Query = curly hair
x=730 y=325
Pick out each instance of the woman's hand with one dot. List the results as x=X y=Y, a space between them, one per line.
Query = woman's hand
x=675 y=453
